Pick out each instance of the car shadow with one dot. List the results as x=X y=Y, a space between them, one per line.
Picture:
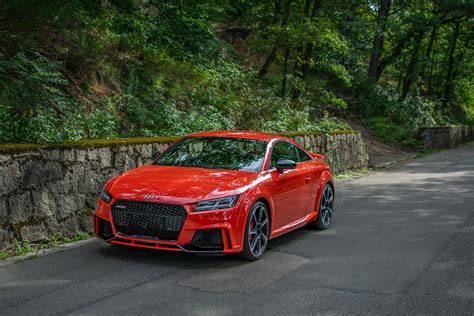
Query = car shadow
x=151 y=256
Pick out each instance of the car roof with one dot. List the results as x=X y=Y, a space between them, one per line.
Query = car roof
x=238 y=134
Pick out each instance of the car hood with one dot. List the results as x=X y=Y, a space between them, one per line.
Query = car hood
x=180 y=185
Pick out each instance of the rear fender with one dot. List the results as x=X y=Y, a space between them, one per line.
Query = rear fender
x=326 y=177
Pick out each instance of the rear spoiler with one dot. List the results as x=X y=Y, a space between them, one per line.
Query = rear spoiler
x=318 y=156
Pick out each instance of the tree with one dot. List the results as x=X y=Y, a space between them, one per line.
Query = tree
x=378 y=40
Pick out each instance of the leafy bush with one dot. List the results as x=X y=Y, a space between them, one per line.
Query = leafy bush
x=33 y=104
x=392 y=119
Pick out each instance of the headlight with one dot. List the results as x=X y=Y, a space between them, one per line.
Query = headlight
x=216 y=204
x=105 y=196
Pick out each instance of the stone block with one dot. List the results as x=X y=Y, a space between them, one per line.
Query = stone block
x=9 y=177
x=146 y=151
x=50 y=154
x=77 y=178
x=69 y=155
x=81 y=155
x=5 y=158
x=105 y=157
x=124 y=161
x=20 y=207
x=6 y=239
x=53 y=170
x=86 y=223
x=62 y=186
x=3 y=211
x=32 y=174
x=44 y=204
x=92 y=154
x=94 y=181
x=91 y=200
x=67 y=204
x=34 y=233
x=69 y=227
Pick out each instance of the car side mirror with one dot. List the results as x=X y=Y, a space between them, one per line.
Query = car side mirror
x=283 y=164
x=156 y=154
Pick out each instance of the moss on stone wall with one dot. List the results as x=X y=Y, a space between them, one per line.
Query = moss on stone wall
x=96 y=143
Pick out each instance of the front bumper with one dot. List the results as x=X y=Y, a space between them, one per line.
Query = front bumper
x=230 y=223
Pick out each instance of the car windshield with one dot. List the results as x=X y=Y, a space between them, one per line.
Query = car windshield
x=215 y=152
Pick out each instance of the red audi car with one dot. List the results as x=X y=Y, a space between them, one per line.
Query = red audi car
x=218 y=193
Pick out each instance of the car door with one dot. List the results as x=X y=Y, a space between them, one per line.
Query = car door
x=290 y=189
x=313 y=170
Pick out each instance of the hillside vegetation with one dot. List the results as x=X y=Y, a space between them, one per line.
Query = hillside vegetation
x=126 y=68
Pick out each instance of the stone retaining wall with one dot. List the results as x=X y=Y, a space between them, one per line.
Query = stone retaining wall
x=446 y=137
x=53 y=189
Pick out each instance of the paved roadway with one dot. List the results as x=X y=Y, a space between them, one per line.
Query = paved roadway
x=402 y=243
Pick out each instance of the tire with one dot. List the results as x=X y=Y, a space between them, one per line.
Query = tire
x=257 y=230
x=326 y=209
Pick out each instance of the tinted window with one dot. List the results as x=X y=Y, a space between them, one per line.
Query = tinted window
x=302 y=155
x=216 y=152
x=283 y=150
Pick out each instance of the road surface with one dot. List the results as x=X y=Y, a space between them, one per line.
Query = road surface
x=402 y=242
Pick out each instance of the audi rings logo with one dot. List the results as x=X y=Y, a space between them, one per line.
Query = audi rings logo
x=149 y=196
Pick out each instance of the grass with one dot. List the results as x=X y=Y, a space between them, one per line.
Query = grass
x=3 y=254
x=24 y=247
x=393 y=133
x=425 y=153
x=350 y=174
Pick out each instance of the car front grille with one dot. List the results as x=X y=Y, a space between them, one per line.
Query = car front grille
x=208 y=239
x=148 y=219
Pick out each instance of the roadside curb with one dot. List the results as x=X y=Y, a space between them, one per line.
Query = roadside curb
x=46 y=251
x=392 y=163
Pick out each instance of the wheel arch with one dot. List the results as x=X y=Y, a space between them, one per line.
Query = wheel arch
x=267 y=204
x=326 y=178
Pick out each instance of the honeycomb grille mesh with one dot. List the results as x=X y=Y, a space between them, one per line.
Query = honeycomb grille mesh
x=148 y=219
x=105 y=229
x=208 y=239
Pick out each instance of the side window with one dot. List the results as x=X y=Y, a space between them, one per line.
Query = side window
x=302 y=155
x=283 y=150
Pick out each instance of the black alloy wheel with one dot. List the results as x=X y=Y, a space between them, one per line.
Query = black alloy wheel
x=257 y=231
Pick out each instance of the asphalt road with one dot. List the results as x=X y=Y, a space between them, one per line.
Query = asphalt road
x=402 y=242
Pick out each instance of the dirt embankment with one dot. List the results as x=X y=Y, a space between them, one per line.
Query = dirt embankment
x=380 y=152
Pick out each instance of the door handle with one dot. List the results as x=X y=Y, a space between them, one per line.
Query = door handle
x=307 y=179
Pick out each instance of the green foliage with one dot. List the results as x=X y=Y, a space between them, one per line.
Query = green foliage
x=33 y=106
x=393 y=119
x=73 y=70
x=350 y=174
x=394 y=133
x=3 y=254
x=22 y=248
x=79 y=237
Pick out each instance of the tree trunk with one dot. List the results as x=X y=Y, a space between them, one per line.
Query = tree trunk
x=384 y=8
x=299 y=54
x=430 y=75
x=397 y=50
x=449 y=74
x=400 y=74
x=309 y=46
x=271 y=57
x=411 y=74
x=277 y=12
x=429 y=49
x=285 y=71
